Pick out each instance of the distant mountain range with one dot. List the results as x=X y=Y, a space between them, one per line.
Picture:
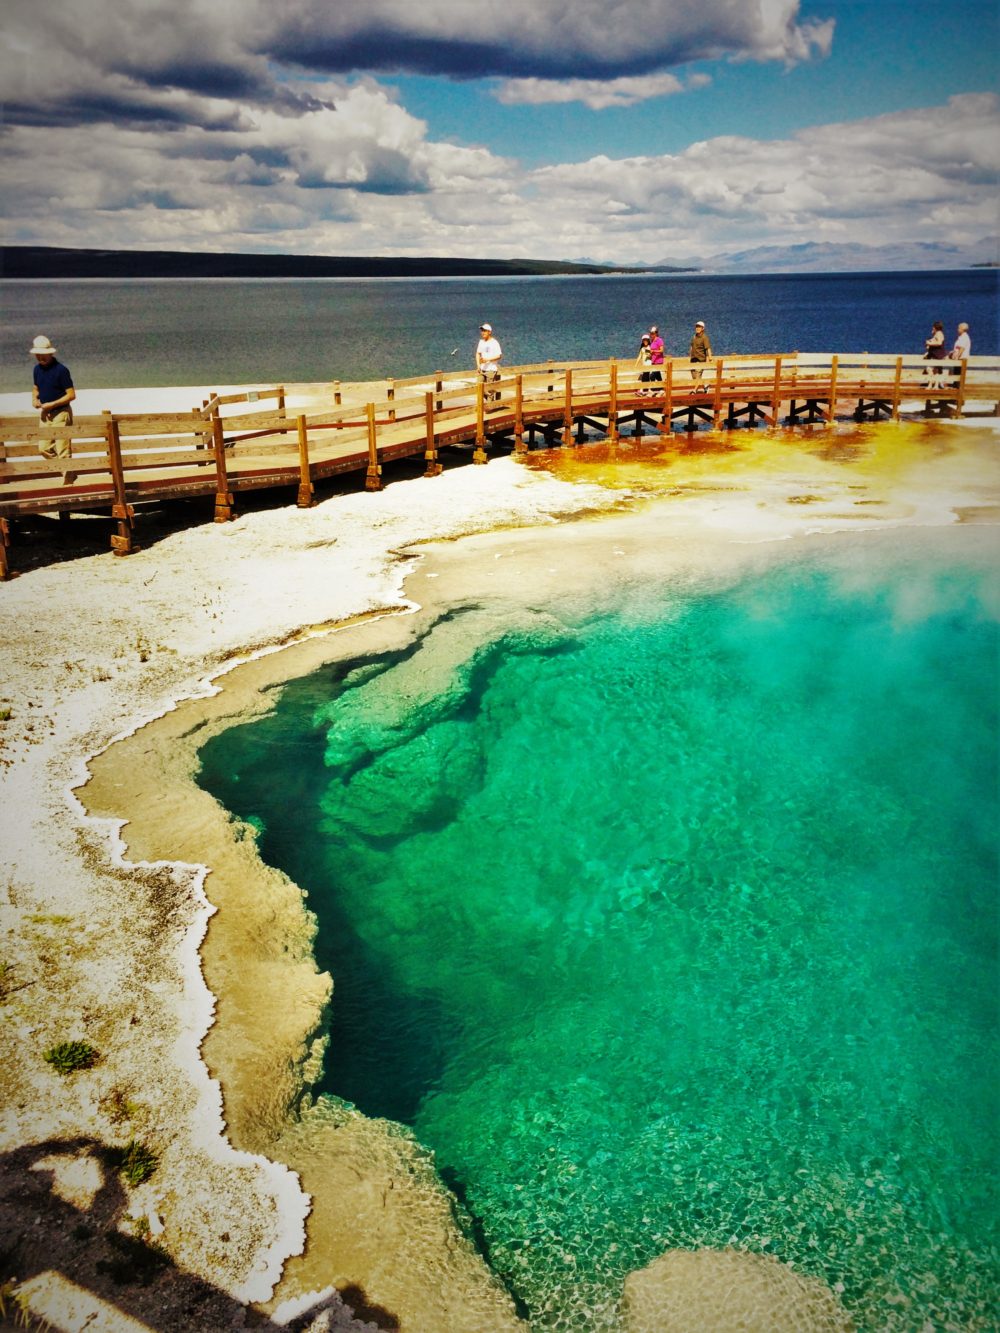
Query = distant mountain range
x=834 y=257
x=39 y=261
x=35 y=261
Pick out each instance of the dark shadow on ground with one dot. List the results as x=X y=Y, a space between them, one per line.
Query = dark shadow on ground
x=38 y=540
x=104 y=1252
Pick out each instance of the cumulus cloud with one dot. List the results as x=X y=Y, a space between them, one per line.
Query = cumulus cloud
x=877 y=180
x=156 y=59
x=240 y=124
x=58 y=67
x=597 y=94
x=541 y=38
x=359 y=174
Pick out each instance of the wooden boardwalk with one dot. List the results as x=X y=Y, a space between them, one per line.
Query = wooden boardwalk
x=232 y=444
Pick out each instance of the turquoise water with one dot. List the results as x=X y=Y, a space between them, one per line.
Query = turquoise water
x=673 y=927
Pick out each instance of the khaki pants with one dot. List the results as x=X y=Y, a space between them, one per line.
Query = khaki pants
x=58 y=448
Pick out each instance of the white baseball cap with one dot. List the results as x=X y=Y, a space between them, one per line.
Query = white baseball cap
x=487 y=327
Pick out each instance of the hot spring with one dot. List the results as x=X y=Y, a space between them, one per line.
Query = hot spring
x=663 y=909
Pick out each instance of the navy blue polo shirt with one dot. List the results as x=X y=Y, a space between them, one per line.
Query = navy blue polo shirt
x=52 y=381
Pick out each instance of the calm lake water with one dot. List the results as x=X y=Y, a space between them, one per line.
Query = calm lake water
x=219 y=331
x=674 y=926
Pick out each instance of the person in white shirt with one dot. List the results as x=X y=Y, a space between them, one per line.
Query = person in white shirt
x=488 y=354
x=960 y=352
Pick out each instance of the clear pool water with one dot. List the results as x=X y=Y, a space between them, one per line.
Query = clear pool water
x=673 y=927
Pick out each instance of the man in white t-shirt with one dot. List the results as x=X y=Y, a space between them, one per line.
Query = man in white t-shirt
x=961 y=350
x=488 y=354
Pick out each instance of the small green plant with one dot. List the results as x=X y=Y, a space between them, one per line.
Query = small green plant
x=140 y=1226
x=68 y=1056
x=15 y=1310
x=5 y=714
x=135 y=1162
x=118 y=1106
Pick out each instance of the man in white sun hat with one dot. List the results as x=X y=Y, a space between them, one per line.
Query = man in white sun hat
x=51 y=394
x=701 y=350
x=488 y=354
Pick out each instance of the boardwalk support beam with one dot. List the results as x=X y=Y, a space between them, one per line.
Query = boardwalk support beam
x=433 y=468
x=306 y=497
x=223 y=495
x=373 y=477
x=519 y=445
x=121 y=510
x=958 y=409
x=567 y=427
x=479 y=453
x=667 y=417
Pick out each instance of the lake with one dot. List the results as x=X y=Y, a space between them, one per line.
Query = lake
x=157 y=332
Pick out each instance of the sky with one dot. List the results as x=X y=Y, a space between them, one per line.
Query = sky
x=621 y=131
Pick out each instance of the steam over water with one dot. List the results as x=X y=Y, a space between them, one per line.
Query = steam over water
x=669 y=918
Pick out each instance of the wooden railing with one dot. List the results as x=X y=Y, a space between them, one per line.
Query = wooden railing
x=120 y=461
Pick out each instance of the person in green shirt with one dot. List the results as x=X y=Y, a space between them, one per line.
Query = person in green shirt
x=701 y=350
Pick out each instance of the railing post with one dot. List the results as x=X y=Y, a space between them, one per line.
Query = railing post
x=373 y=477
x=338 y=401
x=960 y=396
x=438 y=389
x=567 y=434
x=667 y=419
x=4 y=543
x=897 y=388
x=223 y=496
x=717 y=396
x=281 y=400
x=613 y=402
x=831 y=411
x=390 y=394
x=776 y=391
x=433 y=468
x=121 y=510
x=519 y=445
x=479 y=453
x=551 y=386
x=306 y=494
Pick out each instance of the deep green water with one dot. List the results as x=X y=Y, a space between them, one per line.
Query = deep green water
x=674 y=927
